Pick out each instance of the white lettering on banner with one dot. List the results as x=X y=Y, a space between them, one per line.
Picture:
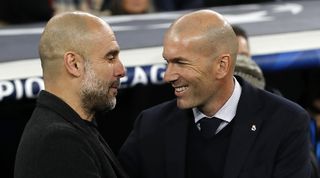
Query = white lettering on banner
x=29 y=87
x=6 y=89
x=143 y=75
x=139 y=77
x=17 y=88
x=155 y=71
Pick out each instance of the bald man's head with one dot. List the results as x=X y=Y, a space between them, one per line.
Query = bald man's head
x=209 y=28
x=70 y=31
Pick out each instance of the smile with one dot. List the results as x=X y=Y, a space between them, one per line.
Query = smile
x=180 y=89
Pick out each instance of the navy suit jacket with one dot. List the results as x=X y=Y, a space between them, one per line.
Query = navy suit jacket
x=269 y=140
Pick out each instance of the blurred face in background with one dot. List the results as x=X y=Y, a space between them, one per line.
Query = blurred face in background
x=243 y=46
x=135 y=6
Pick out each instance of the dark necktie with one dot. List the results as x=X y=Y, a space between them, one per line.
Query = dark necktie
x=208 y=126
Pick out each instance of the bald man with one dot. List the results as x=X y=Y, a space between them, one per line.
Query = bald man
x=81 y=72
x=219 y=126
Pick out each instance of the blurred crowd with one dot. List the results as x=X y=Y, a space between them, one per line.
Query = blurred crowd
x=17 y=12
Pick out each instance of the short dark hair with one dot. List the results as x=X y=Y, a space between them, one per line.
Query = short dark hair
x=240 y=31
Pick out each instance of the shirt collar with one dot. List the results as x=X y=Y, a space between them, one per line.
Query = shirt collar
x=54 y=103
x=227 y=111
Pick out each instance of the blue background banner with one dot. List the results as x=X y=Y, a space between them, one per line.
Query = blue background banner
x=289 y=60
x=28 y=88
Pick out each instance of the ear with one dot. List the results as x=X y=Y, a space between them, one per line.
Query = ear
x=224 y=65
x=73 y=63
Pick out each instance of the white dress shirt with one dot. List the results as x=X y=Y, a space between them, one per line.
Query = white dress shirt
x=227 y=111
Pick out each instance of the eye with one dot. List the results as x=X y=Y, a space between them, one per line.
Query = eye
x=112 y=55
x=180 y=62
x=177 y=61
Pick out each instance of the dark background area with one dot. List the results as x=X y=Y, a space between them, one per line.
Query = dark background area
x=297 y=85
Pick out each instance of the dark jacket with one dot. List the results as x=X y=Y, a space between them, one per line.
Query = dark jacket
x=269 y=140
x=56 y=142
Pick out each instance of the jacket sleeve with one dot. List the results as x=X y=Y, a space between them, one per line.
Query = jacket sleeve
x=293 y=156
x=129 y=154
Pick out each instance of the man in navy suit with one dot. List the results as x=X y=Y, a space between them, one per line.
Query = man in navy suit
x=258 y=135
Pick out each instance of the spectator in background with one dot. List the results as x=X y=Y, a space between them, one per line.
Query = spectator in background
x=124 y=7
x=81 y=72
x=244 y=50
x=243 y=41
x=219 y=125
x=249 y=71
x=245 y=66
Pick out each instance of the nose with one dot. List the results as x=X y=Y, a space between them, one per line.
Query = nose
x=169 y=75
x=120 y=70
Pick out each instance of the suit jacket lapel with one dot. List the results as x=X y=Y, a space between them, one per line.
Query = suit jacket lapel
x=117 y=168
x=245 y=129
x=175 y=139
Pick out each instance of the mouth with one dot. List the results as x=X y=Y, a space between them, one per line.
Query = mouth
x=179 y=90
x=114 y=87
x=115 y=84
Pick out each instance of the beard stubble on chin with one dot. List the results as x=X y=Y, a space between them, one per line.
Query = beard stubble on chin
x=94 y=93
